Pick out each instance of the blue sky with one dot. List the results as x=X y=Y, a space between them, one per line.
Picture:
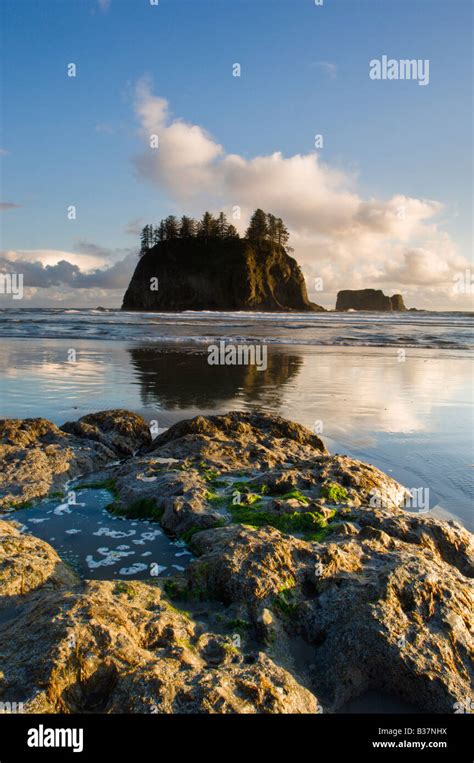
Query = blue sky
x=304 y=71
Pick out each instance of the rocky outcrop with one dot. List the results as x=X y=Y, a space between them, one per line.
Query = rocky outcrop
x=369 y=299
x=382 y=612
x=293 y=546
x=120 y=431
x=37 y=457
x=398 y=304
x=232 y=274
x=239 y=438
x=102 y=646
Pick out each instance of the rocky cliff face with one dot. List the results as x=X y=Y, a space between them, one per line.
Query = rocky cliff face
x=397 y=303
x=369 y=299
x=234 y=274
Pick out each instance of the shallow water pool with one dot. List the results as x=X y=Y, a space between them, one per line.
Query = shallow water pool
x=99 y=545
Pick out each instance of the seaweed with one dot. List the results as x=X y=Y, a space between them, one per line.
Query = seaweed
x=334 y=493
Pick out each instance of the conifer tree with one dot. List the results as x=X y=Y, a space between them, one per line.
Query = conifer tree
x=187 y=227
x=206 y=226
x=146 y=239
x=258 y=228
x=272 y=228
x=161 y=231
x=171 y=227
x=222 y=225
x=143 y=246
x=282 y=234
x=231 y=232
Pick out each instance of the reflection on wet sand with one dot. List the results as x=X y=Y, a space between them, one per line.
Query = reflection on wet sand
x=186 y=380
x=343 y=391
x=412 y=419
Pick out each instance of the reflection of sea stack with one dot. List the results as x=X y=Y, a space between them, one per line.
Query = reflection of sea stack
x=369 y=299
x=202 y=385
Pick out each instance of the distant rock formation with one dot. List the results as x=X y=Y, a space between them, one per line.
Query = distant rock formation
x=397 y=303
x=217 y=274
x=369 y=299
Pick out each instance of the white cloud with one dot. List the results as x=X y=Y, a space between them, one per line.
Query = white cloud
x=97 y=269
x=82 y=260
x=327 y=66
x=395 y=242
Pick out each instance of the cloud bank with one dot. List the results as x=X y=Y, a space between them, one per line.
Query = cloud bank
x=90 y=274
x=338 y=236
x=341 y=239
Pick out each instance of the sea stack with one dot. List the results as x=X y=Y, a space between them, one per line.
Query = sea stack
x=369 y=299
x=217 y=274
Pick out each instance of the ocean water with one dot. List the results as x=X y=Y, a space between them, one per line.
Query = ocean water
x=394 y=390
x=359 y=329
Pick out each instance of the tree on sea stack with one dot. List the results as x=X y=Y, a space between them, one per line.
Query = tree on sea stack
x=146 y=239
x=231 y=232
x=222 y=225
x=272 y=228
x=258 y=227
x=171 y=227
x=160 y=232
x=187 y=228
x=207 y=226
x=282 y=233
x=262 y=227
x=207 y=265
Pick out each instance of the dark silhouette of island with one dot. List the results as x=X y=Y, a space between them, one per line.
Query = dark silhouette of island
x=205 y=387
x=205 y=265
x=369 y=299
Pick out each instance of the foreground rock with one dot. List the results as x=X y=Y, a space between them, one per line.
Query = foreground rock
x=369 y=299
x=380 y=613
x=311 y=584
x=37 y=457
x=180 y=480
x=102 y=646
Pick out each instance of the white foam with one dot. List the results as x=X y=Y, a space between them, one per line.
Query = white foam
x=134 y=569
x=64 y=508
x=110 y=558
x=114 y=533
x=151 y=535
